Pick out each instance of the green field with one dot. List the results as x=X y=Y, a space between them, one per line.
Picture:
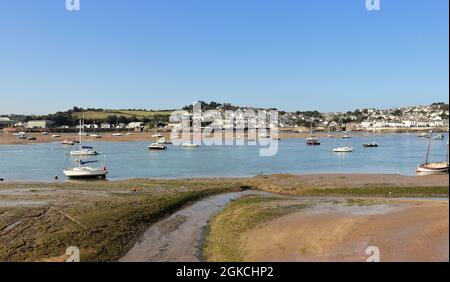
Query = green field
x=102 y=115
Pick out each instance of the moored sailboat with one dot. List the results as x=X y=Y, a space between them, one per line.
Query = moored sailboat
x=433 y=166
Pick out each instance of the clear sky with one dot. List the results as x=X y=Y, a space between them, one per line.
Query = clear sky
x=291 y=54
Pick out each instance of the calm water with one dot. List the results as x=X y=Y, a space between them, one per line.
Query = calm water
x=398 y=153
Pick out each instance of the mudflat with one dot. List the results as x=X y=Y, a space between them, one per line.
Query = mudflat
x=401 y=230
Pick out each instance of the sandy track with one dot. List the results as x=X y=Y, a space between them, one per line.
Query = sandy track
x=407 y=231
x=178 y=237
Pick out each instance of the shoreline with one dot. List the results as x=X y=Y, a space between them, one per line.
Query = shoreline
x=314 y=179
x=10 y=139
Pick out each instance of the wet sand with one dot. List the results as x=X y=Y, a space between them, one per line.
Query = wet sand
x=178 y=237
x=9 y=138
x=408 y=230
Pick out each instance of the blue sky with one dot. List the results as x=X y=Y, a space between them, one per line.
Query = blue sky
x=291 y=54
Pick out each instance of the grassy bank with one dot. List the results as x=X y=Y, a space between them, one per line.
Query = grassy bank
x=222 y=237
x=353 y=185
x=103 y=219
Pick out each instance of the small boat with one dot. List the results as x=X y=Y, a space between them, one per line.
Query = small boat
x=82 y=171
x=117 y=134
x=312 y=141
x=343 y=150
x=31 y=138
x=346 y=136
x=45 y=133
x=56 y=136
x=439 y=137
x=129 y=133
x=95 y=135
x=157 y=136
x=370 y=145
x=433 y=166
x=21 y=136
x=157 y=146
x=422 y=135
x=163 y=140
x=68 y=142
x=84 y=151
x=189 y=144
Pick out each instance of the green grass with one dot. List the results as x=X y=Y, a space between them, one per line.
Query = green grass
x=379 y=191
x=222 y=238
x=102 y=115
x=109 y=216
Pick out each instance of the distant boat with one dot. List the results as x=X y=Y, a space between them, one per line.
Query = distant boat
x=56 y=136
x=312 y=140
x=189 y=144
x=95 y=135
x=157 y=136
x=432 y=166
x=82 y=149
x=68 y=142
x=422 y=135
x=163 y=140
x=157 y=146
x=346 y=136
x=116 y=134
x=439 y=137
x=31 y=138
x=370 y=145
x=45 y=133
x=343 y=150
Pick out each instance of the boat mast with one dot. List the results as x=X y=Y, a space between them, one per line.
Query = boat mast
x=429 y=145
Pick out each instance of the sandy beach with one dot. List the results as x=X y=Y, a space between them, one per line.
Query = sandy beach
x=9 y=138
x=402 y=230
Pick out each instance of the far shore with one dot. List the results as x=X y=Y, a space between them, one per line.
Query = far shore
x=130 y=136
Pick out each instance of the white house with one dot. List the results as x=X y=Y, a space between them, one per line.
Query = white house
x=133 y=125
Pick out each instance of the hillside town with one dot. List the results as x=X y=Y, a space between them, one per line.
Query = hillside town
x=435 y=115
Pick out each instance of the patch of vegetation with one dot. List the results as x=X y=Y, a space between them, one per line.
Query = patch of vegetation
x=103 y=219
x=222 y=239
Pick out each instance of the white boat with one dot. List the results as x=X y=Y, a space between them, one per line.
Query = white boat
x=346 y=136
x=82 y=149
x=45 y=133
x=95 y=135
x=117 y=134
x=157 y=136
x=343 y=150
x=82 y=171
x=157 y=146
x=68 y=142
x=129 y=133
x=56 y=136
x=439 y=137
x=189 y=144
x=433 y=166
x=163 y=140
x=423 y=134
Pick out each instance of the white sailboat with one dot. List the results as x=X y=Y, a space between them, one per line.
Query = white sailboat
x=433 y=166
x=343 y=150
x=82 y=149
x=82 y=171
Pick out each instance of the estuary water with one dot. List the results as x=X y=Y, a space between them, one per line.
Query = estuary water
x=396 y=154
